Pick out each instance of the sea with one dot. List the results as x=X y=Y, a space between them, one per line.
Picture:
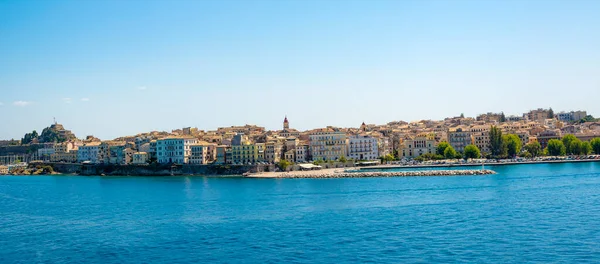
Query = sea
x=539 y=213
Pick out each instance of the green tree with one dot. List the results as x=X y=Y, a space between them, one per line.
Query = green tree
x=513 y=144
x=556 y=148
x=497 y=146
x=462 y=115
x=586 y=148
x=502 y=117
x=534 y=149
x=388 y=157
x=587 y=118
x=575 y=147
x=429 y=156
x=595 y=145
x=342 y=159
x=450 y=153
x=566 y=140
x=29 y=137
x=284 y=164
x=550 y=113
x=441 y=147
x=472 y=152
x=50 y=135
x=396 y=154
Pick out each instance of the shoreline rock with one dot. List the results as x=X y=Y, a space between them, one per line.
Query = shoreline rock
x=362 y=174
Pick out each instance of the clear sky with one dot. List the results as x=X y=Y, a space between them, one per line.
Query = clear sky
x=112 y=68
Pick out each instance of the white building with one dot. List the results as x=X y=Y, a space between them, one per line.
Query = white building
x=301 y=153
x=46 y=152
x=89 y=152
x=174 y=150
x=571 y=116
x=363 y=148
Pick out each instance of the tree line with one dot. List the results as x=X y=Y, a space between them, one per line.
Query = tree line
x=504 y=146
x=509 y=146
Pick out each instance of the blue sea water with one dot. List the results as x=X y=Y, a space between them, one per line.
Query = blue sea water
x=545 y=213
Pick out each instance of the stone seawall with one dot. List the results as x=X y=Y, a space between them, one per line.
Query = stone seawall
x=153 y=169
x=363 y=174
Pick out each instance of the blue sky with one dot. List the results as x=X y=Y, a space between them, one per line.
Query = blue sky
x=112 y=68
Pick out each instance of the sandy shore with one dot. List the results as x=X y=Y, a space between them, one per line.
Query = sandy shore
x=342 y=173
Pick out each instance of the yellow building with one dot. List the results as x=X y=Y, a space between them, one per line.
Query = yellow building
x=65 y=147
x=328 y=145
x=290 y=155
x=65 y=152
x=245 y=153
x=70 y=157
x=260 y=151
x=140 y=158
x=412 y=147
x=3 y=170
x=538 y=114
x=523 y=136
x=481 y=137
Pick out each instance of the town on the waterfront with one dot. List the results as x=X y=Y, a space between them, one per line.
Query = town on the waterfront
x=539 y=134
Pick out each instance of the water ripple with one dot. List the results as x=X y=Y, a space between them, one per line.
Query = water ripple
x=544 y=213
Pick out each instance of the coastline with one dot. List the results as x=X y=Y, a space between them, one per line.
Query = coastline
x=355 y=173
x=392 y=166
x=63 y=169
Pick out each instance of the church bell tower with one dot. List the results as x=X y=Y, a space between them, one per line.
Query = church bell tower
x=286 y=124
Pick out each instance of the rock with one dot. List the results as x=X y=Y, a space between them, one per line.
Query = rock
x=361 y=174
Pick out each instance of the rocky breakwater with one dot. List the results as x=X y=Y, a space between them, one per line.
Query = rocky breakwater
x=364 y=174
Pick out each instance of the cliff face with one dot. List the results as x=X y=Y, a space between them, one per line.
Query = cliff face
x=154 y=169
